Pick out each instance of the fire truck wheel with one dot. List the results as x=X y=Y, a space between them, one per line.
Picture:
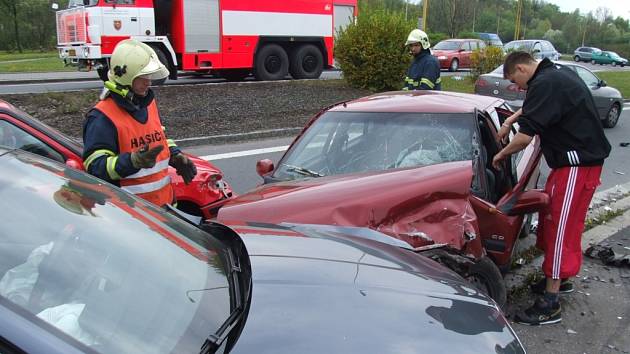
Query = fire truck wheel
x=272 y=63
x=160 y=54
x=307 y=62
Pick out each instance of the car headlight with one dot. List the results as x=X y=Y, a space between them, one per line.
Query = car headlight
x=442 y=57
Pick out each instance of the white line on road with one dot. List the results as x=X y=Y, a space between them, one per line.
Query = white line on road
x=230 y=155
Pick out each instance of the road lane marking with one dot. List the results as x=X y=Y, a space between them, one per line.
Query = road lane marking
x=229 y=155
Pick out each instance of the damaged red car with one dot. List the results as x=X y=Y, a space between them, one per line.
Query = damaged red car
x=21 y=131
x=414 y=165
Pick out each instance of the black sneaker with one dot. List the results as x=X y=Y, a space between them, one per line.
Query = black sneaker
x=541 y=313
x=566 y=286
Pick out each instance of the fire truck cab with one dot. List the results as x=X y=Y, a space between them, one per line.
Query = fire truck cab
x=228 y=38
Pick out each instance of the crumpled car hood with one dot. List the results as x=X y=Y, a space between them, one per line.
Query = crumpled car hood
x=323 y=292
x=421 y=206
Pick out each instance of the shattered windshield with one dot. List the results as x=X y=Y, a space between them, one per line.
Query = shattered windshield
x=352 y=142
x=112 y=272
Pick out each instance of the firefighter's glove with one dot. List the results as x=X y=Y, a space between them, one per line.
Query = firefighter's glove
x=145 y=157
x=184 y=167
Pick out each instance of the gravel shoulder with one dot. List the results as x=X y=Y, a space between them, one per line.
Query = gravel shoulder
x=190 y=111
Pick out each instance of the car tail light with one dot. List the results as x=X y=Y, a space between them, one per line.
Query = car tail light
x=514 y=88
x=482 y=83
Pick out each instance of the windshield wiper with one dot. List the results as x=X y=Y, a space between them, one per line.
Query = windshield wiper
x=214 y=341
x=303 y=171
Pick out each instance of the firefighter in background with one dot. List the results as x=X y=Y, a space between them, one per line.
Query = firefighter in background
x=424 y=72
x=124 y=139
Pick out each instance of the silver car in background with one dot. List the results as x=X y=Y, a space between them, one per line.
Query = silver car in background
x=585 y=53
x=608 y=99
x=538 y=48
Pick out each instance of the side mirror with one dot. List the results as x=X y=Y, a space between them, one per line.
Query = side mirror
x=461 y=50
x=264 y=167
x=536 y=51
x=602 y=83
x=530 y=201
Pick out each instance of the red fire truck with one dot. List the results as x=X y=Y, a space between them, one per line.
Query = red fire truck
x=229 y=38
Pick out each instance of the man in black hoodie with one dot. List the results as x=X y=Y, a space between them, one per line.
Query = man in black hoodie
x=559 y=109
x=424 y=72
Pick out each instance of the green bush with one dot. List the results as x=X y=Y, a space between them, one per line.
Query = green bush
x=371 y=51
x=485 y=60
x=437 y=37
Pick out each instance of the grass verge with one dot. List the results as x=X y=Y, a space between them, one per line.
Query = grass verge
x=617 y=79
x=32 y=61
x=457 y=84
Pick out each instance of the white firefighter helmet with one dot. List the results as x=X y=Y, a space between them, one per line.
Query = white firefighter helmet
x=418 y=36
x=132 y=59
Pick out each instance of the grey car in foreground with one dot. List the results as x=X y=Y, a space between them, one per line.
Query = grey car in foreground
x=608 y=100
x=88 y=268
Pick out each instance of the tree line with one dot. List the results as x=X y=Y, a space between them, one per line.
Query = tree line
x=539 y=20
x=30 y=24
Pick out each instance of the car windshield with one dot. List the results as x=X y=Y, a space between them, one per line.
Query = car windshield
x=447 y=45
x=498 y=70
x=351 y=142
x=524 y=46
x=109 y=270
x=613 y=54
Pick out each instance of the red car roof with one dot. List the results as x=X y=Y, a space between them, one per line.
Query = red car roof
x=420 y=102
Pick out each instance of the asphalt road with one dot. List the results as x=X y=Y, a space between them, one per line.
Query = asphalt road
x=76 y=81
x=596 y=317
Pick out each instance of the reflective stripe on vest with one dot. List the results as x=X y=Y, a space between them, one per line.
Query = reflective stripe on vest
x=148 y=187
x=151 y=184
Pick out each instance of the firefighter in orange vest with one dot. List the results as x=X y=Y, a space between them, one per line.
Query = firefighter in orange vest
x=123 y=136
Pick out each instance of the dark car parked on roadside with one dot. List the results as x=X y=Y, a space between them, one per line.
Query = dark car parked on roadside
x=414 y=165
x=538 y=48
x=88 y=268
x=585 y=53
x=491 y=39
x=608 y=100
x=454 y=54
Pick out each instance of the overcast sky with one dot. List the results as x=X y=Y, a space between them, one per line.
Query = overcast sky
x=618 y=7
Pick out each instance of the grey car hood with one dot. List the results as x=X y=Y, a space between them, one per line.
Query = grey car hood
x=327 y=292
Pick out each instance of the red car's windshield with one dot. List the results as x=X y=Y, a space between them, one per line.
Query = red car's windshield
x=350 y=142
x=447 y=45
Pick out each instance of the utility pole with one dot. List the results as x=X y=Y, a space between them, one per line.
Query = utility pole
x=406 y=7
x=517 y=27
x=584 y=32
x=425 y=11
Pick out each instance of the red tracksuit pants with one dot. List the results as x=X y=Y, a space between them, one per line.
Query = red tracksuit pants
x=560 y=225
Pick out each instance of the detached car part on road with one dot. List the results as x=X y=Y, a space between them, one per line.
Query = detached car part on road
x=414 y=165
x=608 y=100
x=88 y=268
x=20 y=130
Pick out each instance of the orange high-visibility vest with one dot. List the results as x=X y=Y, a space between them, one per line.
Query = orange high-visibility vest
x=152 y=184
